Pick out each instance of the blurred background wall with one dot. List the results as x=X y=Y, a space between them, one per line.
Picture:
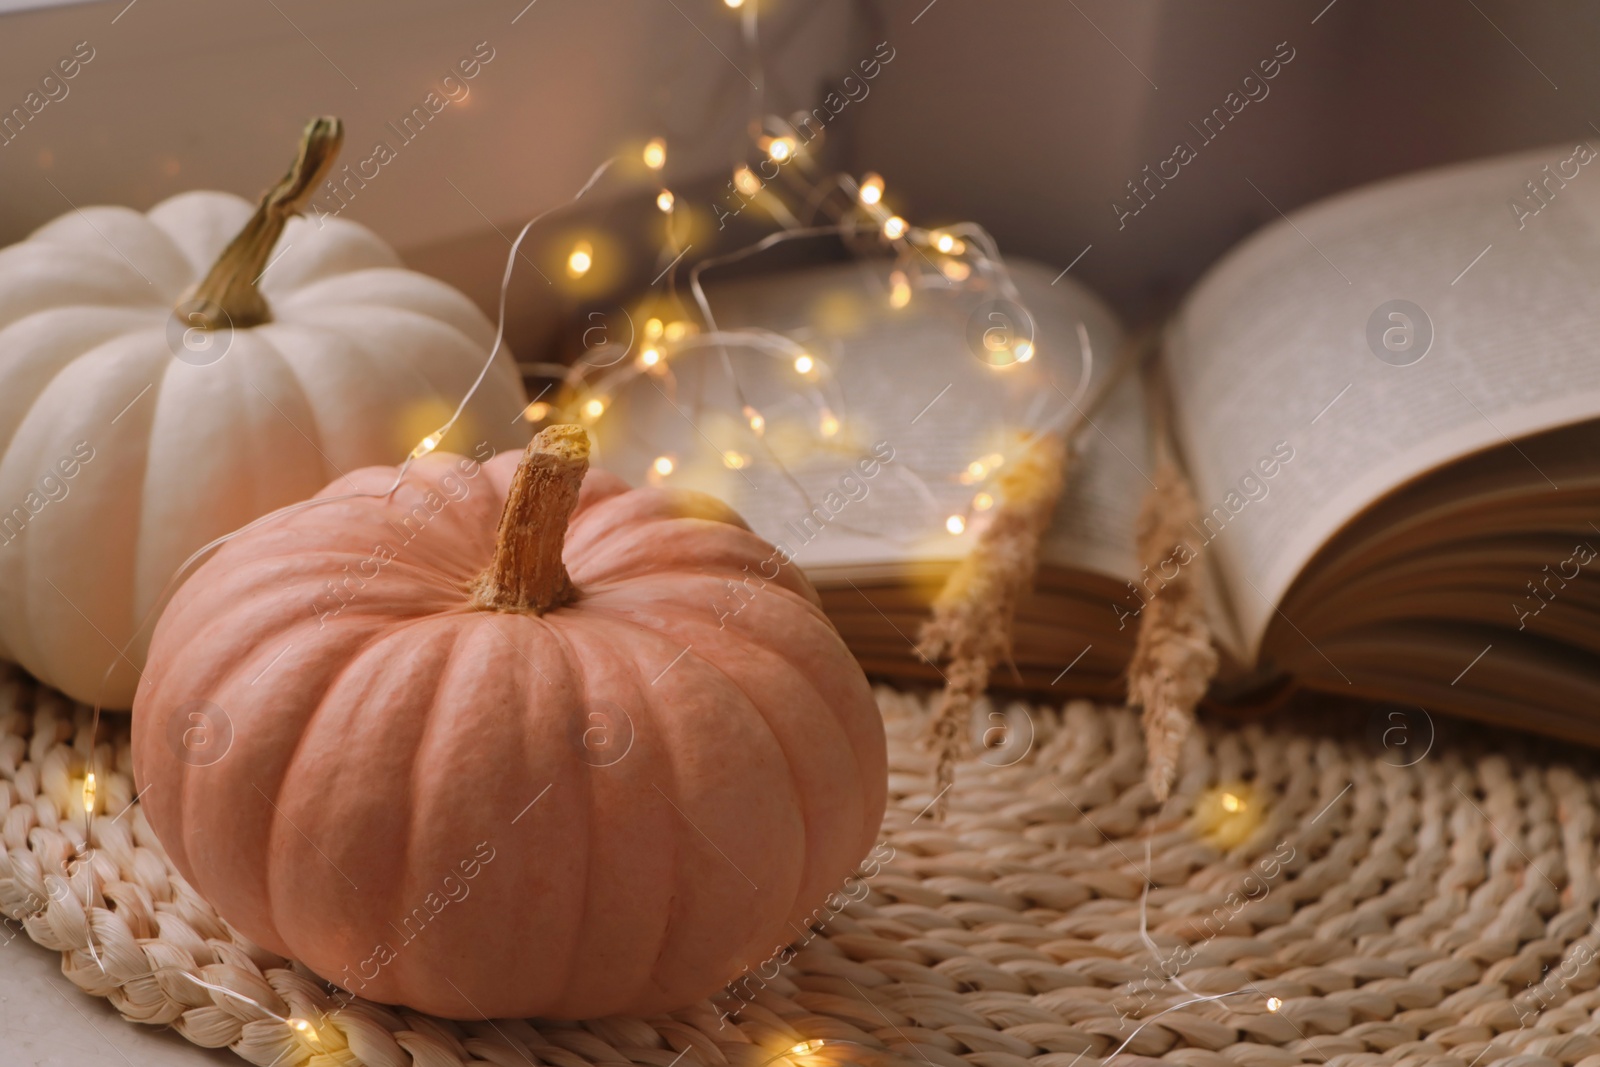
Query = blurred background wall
x=1029 y=116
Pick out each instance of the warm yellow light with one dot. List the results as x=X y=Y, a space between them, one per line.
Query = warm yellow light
x=804 y=1048
x=88 y=793
x=303 y=1027
x=652 y=329
x=427 y=444
x=829 y=424
x=894 y=227
x=662 y=466
x=955 y=524
x=734 y=3
x=976 y=469
x=955 y=270
x=944 y=242
x=1229 y=814
x=536 y=411
x=746 y=182
x=581 y=259
x=993 y=460
x=899 y=290
x=780 y=149
x=1273 y=1003
x=677 y=331
x=650 y=357
x=593 y=409
x=982 y=502
x=735 y=460
x=871 y=189
x=757 y=423
x=655 y=153
x=804 y=364
x=664 y=200
x=1024 y=351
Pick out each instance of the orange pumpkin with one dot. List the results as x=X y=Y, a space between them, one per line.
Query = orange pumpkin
x=495 y=745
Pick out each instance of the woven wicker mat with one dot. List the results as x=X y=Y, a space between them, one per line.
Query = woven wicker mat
x=1300 y=899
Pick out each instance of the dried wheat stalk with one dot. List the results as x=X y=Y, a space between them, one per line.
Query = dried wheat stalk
x=970 y=625
x=1173 y=660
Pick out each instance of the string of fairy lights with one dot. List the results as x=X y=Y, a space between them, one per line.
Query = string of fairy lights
x=792 y=192
x=962 y=255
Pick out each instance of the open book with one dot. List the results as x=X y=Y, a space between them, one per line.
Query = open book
x=1388 y=406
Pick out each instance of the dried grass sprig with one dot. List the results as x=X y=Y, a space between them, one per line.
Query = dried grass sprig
x=1173 y=658
x=970 y=626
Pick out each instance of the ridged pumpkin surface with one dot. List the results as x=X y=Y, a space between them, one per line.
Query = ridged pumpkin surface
x=121 y=453
x=649 y=793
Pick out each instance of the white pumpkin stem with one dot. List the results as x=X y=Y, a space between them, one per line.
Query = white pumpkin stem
x=526 y=574
x=228 y=296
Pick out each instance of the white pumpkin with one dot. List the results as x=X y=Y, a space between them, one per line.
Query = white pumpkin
x=133 y=435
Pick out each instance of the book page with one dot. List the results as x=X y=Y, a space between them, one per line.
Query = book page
x=887 y=453
x=1374 y=336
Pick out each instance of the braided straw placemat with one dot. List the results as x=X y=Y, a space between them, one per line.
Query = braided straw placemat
x=1308 y=900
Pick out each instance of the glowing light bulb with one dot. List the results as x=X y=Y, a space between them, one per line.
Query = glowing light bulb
x=804 y=1048
x=829 y=424
x=1273 y=1003
x=735 y=4
x=664 y=200
x=1230 y=813
x=780 y=149
x=581 y=259
x=895 y=227
x=871 y=189
x=735 y=460
x=757 y=423
x=650 y=357
x=955 y=524
x=899 y=290
x=536 y=411
x=663 y=465
x=655 y=153
x=944 y=243
x=593 y=409
x=652 y=329
x=303 y=1027
x=976 y=469
x=955 y=270
x=804 y=364
x=427 y=444
x=746 y=182
x=1024 y=351
x=982 y=502
x=993 y=460
x=88 y=793
x=677 y=331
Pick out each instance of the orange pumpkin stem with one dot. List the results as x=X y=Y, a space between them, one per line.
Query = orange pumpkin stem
x=227 y=296
x=526 y=574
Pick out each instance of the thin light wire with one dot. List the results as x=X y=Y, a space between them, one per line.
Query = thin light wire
x=1144 y=916
x=1065 y=417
